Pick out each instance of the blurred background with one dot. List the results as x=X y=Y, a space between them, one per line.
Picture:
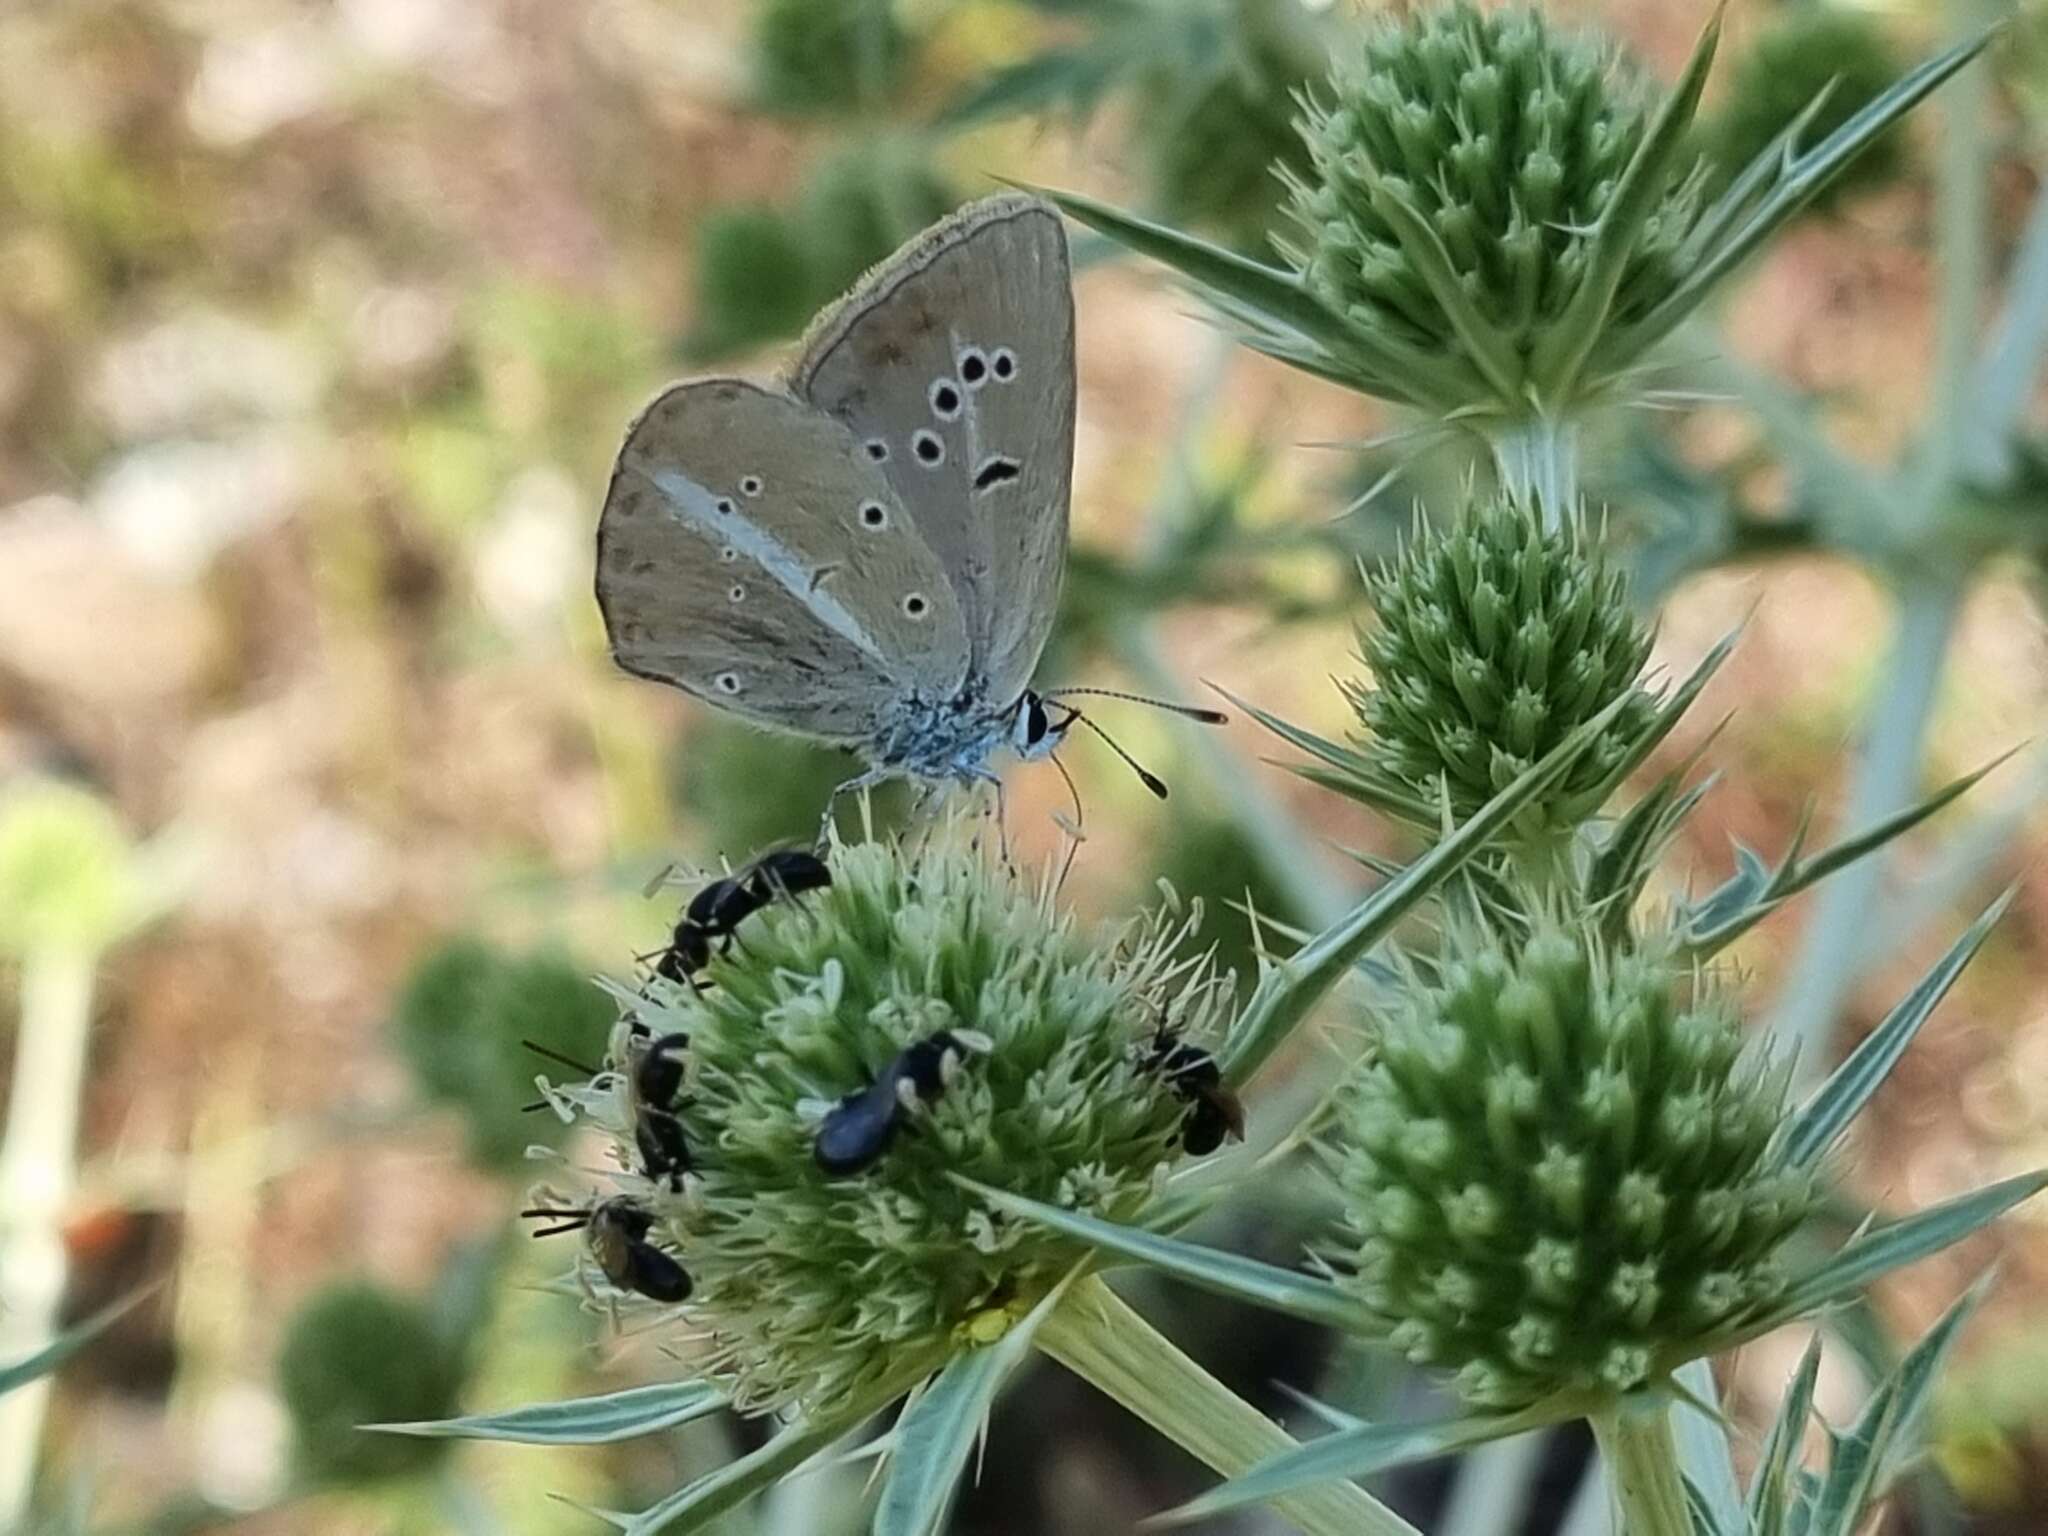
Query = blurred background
x=320 y=321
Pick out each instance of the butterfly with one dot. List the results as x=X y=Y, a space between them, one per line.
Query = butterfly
x=870 y=554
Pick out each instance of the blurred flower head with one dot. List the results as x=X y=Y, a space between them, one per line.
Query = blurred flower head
x=357 y=1354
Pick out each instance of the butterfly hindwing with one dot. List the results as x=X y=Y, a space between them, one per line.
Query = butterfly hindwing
x=751 y=554
x=952 y=366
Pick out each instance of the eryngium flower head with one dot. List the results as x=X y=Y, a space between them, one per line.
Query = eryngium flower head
x=1497 y=637
x=1556 y=1169
x=812 y=1290
x=1499 y=142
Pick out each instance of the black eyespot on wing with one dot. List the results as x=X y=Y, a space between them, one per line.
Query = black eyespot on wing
x=973 y=366
x=877 y=449
x=1004 y=364
x=929 y=447
x=994 y=471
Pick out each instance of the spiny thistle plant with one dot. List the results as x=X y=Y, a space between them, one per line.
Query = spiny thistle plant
x=1503 y=222
x=1568 y=1175
x=1564 y=1174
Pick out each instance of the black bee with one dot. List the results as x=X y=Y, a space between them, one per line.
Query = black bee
x=717 y=910
x=656 y=1079
x=618 y=1241
x=1214 y=1112
x=860 y=1127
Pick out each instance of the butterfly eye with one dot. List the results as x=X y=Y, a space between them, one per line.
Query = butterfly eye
x=945 y=399
x=751 y=486
x=874 y=515
x=930 y=449
x=727 y=682
x=973 y=367
x=915 y=606
x=1003 y=364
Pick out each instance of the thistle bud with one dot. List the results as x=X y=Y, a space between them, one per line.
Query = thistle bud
x=814 y=1284
x=1555 y=1168
x=1463 y=160
x=1496 y=638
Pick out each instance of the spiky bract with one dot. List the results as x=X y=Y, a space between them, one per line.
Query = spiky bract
x=1556 y=1167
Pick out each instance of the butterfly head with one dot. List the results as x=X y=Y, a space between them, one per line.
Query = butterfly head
x=1034 y=733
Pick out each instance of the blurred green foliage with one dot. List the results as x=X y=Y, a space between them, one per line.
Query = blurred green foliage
x=763 y=271
x=824 y=56
x=357 y=1353
x=749 y=789
x=1808 y=48
x=1208 y=859
x=753 y=282
x=461 y=1021
x=1218 y=142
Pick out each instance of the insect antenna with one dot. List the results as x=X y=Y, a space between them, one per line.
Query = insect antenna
x=1186 y=711
x=1146 y=776
x=567 y=1221
x=556 y=1056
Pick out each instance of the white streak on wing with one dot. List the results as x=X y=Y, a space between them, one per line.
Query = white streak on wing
x=698 y=507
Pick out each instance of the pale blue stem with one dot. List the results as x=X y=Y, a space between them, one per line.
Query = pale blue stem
x=1539 y=456
x=1493 y=1486
x=1887 y=779
x=1641 y=1456
x=37 y=1166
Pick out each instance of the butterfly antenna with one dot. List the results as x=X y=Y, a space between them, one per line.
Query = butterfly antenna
x=1146 y=776
x=556 y=1056
x=1185 y=711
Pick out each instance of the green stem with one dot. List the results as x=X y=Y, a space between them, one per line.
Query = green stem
x=1641 y=1456
x=36 y=1173
x=1539 y=456
x=1887 y=778
x=1094 y=1334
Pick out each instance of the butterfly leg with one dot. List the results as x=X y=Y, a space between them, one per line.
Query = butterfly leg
x=867 y=780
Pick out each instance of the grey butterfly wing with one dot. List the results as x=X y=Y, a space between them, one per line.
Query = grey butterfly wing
x=953 y=365
x=749 y=553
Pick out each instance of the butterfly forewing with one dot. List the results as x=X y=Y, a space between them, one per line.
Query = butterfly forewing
x=752 y=554
x=952 y=366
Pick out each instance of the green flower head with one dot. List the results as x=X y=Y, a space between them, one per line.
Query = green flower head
x=1463 y=161
x=814 y=1288
x=1556 y=1168
x=1496 y=638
